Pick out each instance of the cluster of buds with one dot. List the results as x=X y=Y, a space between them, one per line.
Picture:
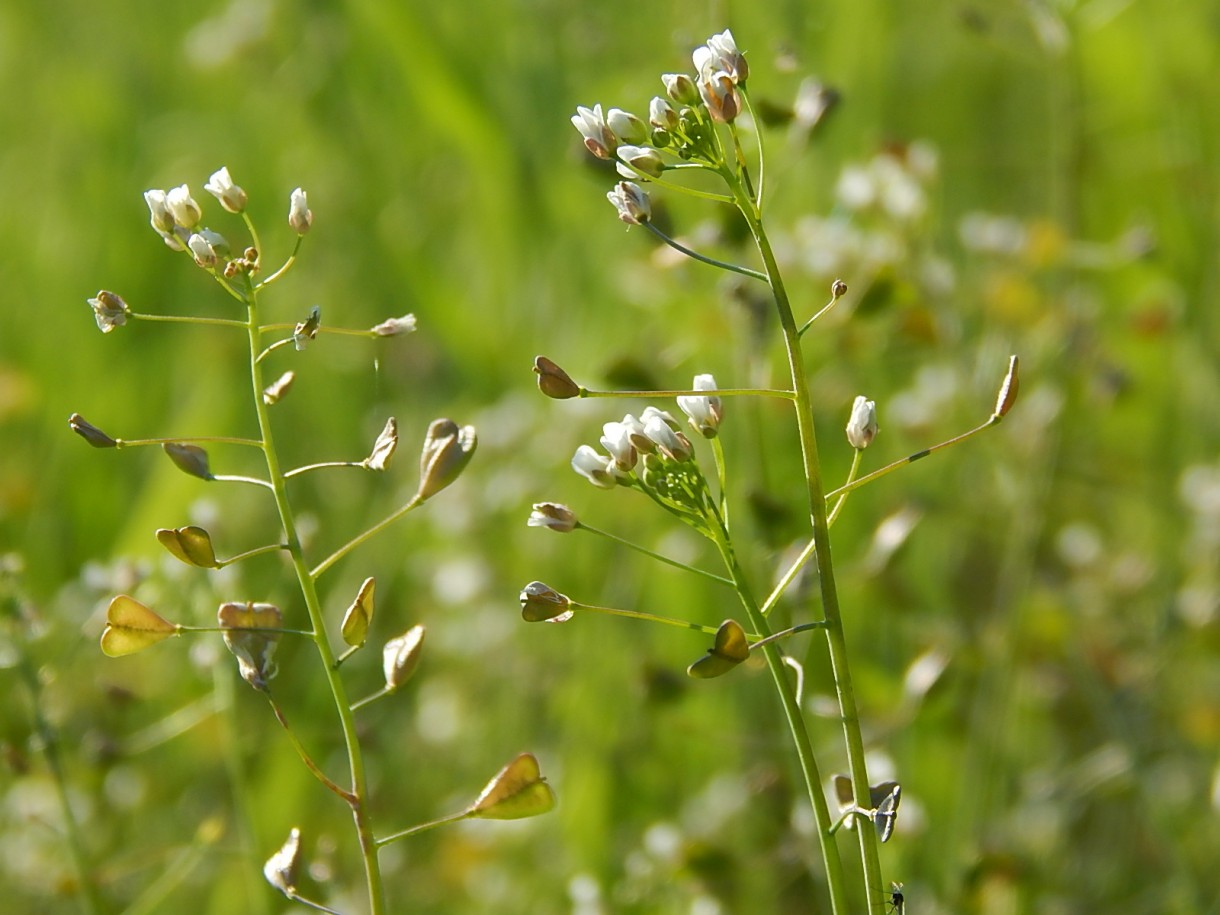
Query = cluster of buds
x=681 y=122
x=177 y=217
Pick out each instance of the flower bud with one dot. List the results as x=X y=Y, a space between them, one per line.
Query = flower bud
x=300 y=217
x=447 y=450
x=661 y=114
x=704 y=413
x=558 y=518
x=626 y=126
x=641 y=158
x=542 y=603
x=594 y=467
x=838 y=289
x=617 y=440
x=221 y=186
x=719 y=94
x=681 y=88
x=632 y=203
x=599 y=138
x=392 y=327
x=208 y=247
x=553 y=381
x=401 y=656
x=90 y=433
x=161 y=218
x=189 y=459
x=673 y=444
x=862 y=427
x=182 y=207
x=251 y=633
x=1008 y=390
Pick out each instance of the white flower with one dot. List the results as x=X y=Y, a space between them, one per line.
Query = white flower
x=599 y=138
x=641 y=159
x=720 y=53
x=862 y=427
x=182 y=206
x=221 y=186
x=720 y=95
x=208 y=247
x=393 y=326
x=553 y=515
x=680 y=88
x=594 y=467
x=661 y=114
x=627 y=128
x=300 y=218
x=616 y=439
x=673 y=444
x=161 y=218
x=705 y=413
x=632 y=203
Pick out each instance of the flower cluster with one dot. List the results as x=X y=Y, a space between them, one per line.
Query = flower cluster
x=653 y=454
x=681 y=123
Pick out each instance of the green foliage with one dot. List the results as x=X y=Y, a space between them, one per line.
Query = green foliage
x=1032 y=617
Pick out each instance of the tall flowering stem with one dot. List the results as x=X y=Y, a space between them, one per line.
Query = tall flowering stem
x=358 y=797
x=816 y=493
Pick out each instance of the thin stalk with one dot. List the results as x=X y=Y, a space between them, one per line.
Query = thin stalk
x=651 y=618
x=423 y=827
x=720 y=392
x=835 y=639
x=361 y=538
x=800 y=733
x=305 y=579
x=647 y=552
x=678 y=246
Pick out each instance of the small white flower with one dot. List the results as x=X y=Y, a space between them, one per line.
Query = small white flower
x=599 y=138
x=862 y=427
x=109 y=309
x=641 y=159
x=720 y=53
x=393 y=326
x=208 y=247
x=300 y=218
x=594 y=467
x=680 y=88
x=553 y=515
x=720 y=95
x=182 y=206
x=661 y=114
x=616 y=439
x=161 y=218
x=221 y=186
x=704 y=413
x=672 y=444
x=627 y=128
x=632 y=203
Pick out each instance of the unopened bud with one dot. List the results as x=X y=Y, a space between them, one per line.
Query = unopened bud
x=90 y=433
x=401 y=656
x=159 y=215
x=643 y=159
x=300 y=217
x=838 y=289
x=182 y=206
x=553 y=381
x=704 y=412
x=862 y=426
x=542 y=603
x=447 y=450
x=681 y=88
x=1008 y=390
x=553 y=515
x=626 y=126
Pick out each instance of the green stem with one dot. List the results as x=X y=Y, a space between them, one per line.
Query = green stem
x=722 y=392
x=651 y=618
x=647 y=552
x=677 y=246
x=361 y=538
x=305 y=579
x=423 y=827
x=796 y=725
x=835 y=639
x=297 y=471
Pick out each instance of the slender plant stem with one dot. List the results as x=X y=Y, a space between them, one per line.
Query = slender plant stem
x=835 y=639
x=649 y=617
x=678 y=246
x=305 y=579
x=361 y=538
x=723 y=392
x=647 y=552
x=423 y=827
x=800 y=733
x=297 y=471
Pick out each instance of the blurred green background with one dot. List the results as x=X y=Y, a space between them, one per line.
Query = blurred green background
x=1032 y=616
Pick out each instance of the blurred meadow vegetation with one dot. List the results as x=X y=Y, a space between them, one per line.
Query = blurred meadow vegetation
x=1034 y=617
